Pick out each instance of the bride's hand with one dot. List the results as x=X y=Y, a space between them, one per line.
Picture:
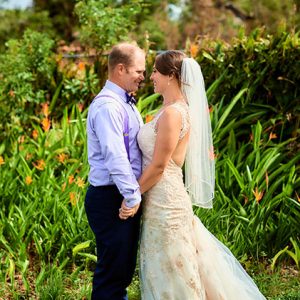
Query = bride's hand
x=125 y=212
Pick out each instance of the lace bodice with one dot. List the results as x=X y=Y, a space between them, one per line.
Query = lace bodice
x=147 y=134
x=159 y=204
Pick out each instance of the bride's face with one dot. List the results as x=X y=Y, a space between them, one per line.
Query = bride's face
x=160 y=81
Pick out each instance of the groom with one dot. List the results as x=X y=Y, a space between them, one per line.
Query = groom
x=115 y=165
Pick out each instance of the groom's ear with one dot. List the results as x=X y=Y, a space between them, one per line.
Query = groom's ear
x=120 y=68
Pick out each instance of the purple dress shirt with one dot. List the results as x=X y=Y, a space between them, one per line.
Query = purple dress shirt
x=107 y=154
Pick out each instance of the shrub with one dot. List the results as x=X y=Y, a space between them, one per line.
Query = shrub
x=26 y=73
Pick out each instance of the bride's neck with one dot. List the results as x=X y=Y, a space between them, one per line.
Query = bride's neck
x=172 y=96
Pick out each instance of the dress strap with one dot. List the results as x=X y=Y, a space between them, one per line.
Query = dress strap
x=182 y=108
x=185 y=118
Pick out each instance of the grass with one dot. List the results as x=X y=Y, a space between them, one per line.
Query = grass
x=281 y=284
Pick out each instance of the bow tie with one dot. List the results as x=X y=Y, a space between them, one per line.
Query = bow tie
x=130 y=99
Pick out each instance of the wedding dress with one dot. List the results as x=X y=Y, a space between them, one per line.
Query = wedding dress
x=179 y=258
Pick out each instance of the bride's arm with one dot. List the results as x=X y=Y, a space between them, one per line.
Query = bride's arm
x=168 y=131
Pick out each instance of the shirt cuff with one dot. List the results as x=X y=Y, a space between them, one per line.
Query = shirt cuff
x=134 y=199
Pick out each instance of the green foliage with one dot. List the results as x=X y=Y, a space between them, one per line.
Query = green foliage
x=154 y=28
x=29 y=60
x=15 y=22
x=79 y=88
x=272 y=12
x=26 y=72
x=52 y=287
x=256 y=209
x=295 y=255
x=104 y=23
x=281 y=284
x=62 y=16
x=42 y=213
x=268 y=67
x=43 y=175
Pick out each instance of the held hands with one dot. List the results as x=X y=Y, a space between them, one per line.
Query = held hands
x=126 y=212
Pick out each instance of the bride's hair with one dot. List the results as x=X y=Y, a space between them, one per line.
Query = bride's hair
x=169 y=62
x=199 y=164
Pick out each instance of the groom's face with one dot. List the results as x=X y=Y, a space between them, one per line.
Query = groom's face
x=134 y=74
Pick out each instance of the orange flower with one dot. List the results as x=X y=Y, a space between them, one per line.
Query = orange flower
x=272 y=136
x=28 y=156
x=81 y=66
x=40 y=165
x=193 y=50
x=28 y=180
x=35 y=134
x=46 y=124
x=80 y=107
x=2 y=162
x=73 y=199
x=11 y=93
x=267 y=179
x=45 y=109
x=61 y=157
x=298 y=198
x=149 y=118
x=21 y=139
x=71 y=179
x=258 y=195
x=80 y=182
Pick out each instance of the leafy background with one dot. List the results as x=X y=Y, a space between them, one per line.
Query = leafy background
x=53 y=62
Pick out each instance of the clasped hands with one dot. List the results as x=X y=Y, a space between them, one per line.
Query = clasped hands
x=126 y=212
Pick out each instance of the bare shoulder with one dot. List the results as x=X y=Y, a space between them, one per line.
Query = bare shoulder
x=170 y=118
x=171 y=114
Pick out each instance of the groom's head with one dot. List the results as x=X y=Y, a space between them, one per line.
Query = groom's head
x=126 y=66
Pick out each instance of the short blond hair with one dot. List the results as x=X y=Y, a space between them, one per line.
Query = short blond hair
x=122 y=54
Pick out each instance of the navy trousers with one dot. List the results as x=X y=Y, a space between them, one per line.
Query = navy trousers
x=116 y=242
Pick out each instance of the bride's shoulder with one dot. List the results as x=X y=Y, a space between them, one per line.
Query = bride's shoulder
x=170 y=113
x=179 y=109
x=172 y=116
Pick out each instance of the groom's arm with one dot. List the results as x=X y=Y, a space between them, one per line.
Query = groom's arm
x=108 y=126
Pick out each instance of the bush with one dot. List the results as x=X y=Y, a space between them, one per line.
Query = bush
x=268 y=67
x=15 y=22
x=26 y=73
x=104 y=24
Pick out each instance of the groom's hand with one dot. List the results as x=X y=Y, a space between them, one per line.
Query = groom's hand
x=125 y=212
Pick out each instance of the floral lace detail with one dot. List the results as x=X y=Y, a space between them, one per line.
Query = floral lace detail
x=166 y=209
x=179 y=258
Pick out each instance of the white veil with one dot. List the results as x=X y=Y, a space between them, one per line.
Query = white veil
x=199 y=164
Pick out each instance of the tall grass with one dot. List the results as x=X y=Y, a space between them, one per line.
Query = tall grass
x=257 y=209
x=42 y=213
x=43 y=185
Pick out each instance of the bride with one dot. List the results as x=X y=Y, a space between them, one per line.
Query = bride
x=179 y=258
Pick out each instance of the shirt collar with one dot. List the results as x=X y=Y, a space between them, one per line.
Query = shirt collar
x=116 y=89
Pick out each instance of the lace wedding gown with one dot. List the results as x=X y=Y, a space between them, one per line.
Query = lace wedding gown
x=179 y=258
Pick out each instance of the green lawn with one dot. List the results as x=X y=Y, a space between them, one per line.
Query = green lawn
x=282 y=284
